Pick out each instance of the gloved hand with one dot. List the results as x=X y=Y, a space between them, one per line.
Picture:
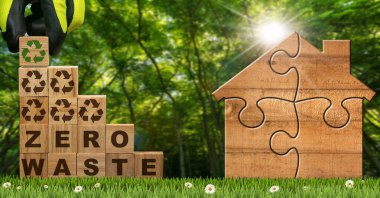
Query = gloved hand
x=52 y=18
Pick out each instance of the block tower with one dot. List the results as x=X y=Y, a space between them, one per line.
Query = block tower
x=63 y=134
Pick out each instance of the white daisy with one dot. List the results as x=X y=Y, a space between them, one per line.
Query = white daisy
x=78 y=189
x=274 y=189
x=349 y=183
x=18 y=188
x=97 y=185
x=210 y=189
x=7 y=185
x=46 y=186
x=188 y=185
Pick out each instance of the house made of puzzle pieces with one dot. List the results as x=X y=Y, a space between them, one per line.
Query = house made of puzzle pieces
x=295 y=112
x=63 y=134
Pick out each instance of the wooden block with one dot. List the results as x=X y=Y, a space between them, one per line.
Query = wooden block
x=33 y=110
x=120 y=165
x=92 y=109
x=34 y=138
x=149 y=164
x=62 y=164
x=91 y=139
x=120 y=138
x=91 y=164
x=33 y=81
x=63 y=138
x=34 y=51
x=33 y=165
x=63 y=110
x=63 y=81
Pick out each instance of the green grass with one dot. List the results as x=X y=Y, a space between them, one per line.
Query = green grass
x=124 y=187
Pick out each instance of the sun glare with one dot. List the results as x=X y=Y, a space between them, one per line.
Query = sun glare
x=272 y=33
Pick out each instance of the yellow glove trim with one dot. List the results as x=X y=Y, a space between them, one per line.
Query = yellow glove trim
x=78 y=18
x=5 y=7
x=60 y=10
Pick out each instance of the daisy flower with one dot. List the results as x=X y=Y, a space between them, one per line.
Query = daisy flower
x=78 y=189
x=46 y=186
x=274 y=189
x=7 y=185
x=210 y=189
x=18 y=188
x=97 y=185
x=188 y=185
x=349 y=183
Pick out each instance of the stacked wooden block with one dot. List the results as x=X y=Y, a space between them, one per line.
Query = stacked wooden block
x=64 y=134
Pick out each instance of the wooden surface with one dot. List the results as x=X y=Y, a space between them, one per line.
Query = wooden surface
x=149 y=164
x=33 y=81
x=63 y=138
x=91 y=164
x=91 y=139
x=63 y=81
x=33 y=165
x=34 y=51
x=295 y=112
x=34 y=110
x=92 y=109
x=63 y=110
x=120 y=165
x=34 y=138
x=62 y=164
x=120 y=138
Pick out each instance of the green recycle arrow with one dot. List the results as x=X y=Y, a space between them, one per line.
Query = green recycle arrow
x=37 y=45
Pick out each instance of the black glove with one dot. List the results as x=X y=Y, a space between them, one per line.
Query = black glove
x=52 y=18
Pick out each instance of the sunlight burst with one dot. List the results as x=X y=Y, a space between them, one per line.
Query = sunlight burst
x=271 y=33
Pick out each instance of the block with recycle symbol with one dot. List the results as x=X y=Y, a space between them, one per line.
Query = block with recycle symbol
x=62 y=110
x=33 y=110
x=91 y=109
x=34 y=51
x=33 y=81
x=63 y=81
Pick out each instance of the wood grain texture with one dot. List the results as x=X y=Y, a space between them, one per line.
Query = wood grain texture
x=92 y=109
x=33 y=165
x=34 y=50
x=149 y=164
x=34 y=110
x=34 y=138
x=62 y=165
x=63 y=138
x=120 y=138
x=63 y=81
x=295 y=112
x=63 y=110
x=91 y=139
x=91 y=164
x=33 y=81
x=120 y=165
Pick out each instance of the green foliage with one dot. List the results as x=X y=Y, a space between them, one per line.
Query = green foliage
x=175 y=188
x=159 y=61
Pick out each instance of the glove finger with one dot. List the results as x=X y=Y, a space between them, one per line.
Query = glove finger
x=75 y=13
x=54 y=12
x=12 y=22
x=35 y=23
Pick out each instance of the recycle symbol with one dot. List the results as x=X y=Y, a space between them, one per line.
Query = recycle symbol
x=37 y=104
x=94 y=117
x=64 y=75
x=37 y=46
x=38 y=76
x=66 y=105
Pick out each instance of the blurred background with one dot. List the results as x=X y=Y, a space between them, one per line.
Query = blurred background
x=159 y=61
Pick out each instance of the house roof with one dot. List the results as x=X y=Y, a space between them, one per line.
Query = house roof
x=294 y=62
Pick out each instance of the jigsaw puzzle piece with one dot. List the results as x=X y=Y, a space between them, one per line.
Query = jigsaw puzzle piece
x=324 y=74
x=324 y=152
x=265 y=83
x=248 y=152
